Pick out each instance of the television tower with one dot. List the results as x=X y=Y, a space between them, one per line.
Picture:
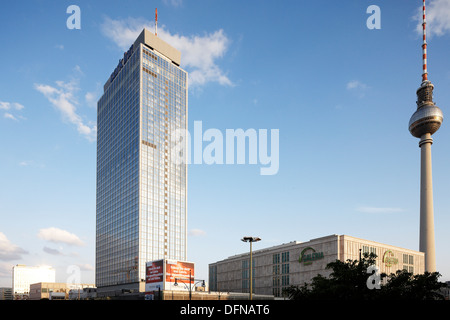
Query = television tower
x=423 y=123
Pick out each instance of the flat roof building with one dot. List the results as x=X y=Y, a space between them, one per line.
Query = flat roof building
x=54 y=290
x=6 y=293
x=23 y=276
x=295 y=263
x=141 y=187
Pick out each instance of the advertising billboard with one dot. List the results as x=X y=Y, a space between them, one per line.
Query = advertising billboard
x=154 y=276
x=180 y=270
x=161 y=275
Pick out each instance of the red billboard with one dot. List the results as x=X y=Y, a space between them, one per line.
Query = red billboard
x=154 y=275
x=161 y=275
x=179 y=269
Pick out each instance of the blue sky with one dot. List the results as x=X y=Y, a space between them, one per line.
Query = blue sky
x=340 y=94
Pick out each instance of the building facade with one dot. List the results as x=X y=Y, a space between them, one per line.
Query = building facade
x=23 y=276
x=141 y=183
x=85 y=293
x=54 y=290
x=295 y=263
x=6 y=293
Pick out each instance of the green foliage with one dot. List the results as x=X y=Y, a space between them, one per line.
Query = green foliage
x=407 y=286
x=348 y=281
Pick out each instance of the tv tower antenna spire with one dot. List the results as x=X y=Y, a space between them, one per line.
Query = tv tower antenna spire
x=424 y=45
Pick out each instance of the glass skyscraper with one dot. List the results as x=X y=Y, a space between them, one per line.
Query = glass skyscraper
x=141 y=189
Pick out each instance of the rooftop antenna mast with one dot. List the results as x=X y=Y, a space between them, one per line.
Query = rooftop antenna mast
x=156 y=22
x=424 y=45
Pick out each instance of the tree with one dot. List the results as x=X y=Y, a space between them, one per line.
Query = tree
x=348 y=281
x=404 y=285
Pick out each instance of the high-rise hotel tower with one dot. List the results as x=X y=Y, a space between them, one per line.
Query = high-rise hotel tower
x=141 y=189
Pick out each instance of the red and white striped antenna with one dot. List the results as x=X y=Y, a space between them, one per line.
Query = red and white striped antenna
x=424 y=45
x=156 y=21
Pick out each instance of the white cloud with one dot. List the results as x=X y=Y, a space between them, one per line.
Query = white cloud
x=52 y=251
x=91 y=99
x=5 y=272
x=355 y=84
x=10 y=108
x=357 y=87
x=77 y=68
x=31 y=163
x=60 y=236
x=197 y=232
x=18 y=106
x=63 y=98
x=5 y=105
x=438 y=18
x=9 y=251
x=173 y=3
x=379 y=210
x=86 y=267
x=8 y=115
x=199 y=53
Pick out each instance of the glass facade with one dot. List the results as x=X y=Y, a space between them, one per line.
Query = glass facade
x=141 y=192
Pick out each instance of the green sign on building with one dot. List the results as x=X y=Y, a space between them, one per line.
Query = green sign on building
x=389 y=258
x=309 y=255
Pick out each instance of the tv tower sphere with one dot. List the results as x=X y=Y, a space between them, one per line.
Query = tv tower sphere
x=428 y=117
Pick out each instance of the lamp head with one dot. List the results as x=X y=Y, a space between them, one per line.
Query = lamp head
x=250 y=239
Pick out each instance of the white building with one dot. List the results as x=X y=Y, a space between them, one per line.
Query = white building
x=23 y=276
x=295 y=263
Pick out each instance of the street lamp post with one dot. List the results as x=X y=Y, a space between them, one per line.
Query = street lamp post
x=251 y=240
x=182 y=280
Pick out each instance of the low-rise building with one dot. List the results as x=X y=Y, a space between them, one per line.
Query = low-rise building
x=83 y=293
x=23 y=276
x=296 y=263
x=6 y=294
x=54 y=290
